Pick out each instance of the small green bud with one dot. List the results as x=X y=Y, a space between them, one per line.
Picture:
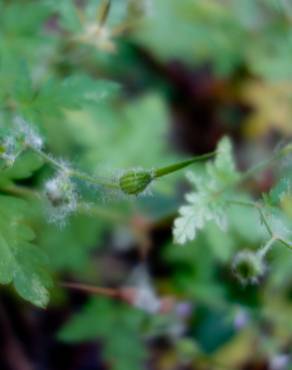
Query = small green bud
x=134 y=182
x=248 y=267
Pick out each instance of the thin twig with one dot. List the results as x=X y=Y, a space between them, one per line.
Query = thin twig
x=108 y=292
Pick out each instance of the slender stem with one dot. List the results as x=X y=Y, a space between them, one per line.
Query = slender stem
x=93 y=180
x=82 y=208
x=259 y=209
x=20 y=191
x=111 y=184
x=257 y=168
x=284 y=242
x=265 y=249
x=175 y=167
x=264 y=219
x=49 y=159
x=242 y=203
x=160 y=171
x=109 y=292
x=253 y=170
x=262 y=165
x=74 y=173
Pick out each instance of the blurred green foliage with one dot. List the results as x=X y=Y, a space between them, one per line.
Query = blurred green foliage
x=93 y=84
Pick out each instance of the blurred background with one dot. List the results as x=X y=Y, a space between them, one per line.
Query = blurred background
x=183 y=74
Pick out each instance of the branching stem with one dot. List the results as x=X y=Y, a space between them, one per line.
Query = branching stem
x=273 y=236
x=262 y=252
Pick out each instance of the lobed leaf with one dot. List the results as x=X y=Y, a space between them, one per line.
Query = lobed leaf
x=207 y=202
x=21 y=262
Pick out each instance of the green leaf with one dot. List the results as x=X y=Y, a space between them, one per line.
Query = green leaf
x=22 y=263
x=15 y=79
x=24 y=167
x=117 y=325
x=282 y=189
x=78 y=237
x=123 y=129
x=73 y=93
x=23 y=18
x=207 y=203
x=67 y=12
x=195 y=270
x=279 y=222
x=70 y=19
x=22 y=31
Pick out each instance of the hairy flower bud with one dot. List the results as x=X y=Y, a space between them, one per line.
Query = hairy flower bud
x=62 y=197
x=248 y=267
x=134 y=182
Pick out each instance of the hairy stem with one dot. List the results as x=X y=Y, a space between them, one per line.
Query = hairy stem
x=75 y=173
x=112 y=184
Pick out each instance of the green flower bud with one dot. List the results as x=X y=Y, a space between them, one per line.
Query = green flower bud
x=134 y=182
x=248 y=267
